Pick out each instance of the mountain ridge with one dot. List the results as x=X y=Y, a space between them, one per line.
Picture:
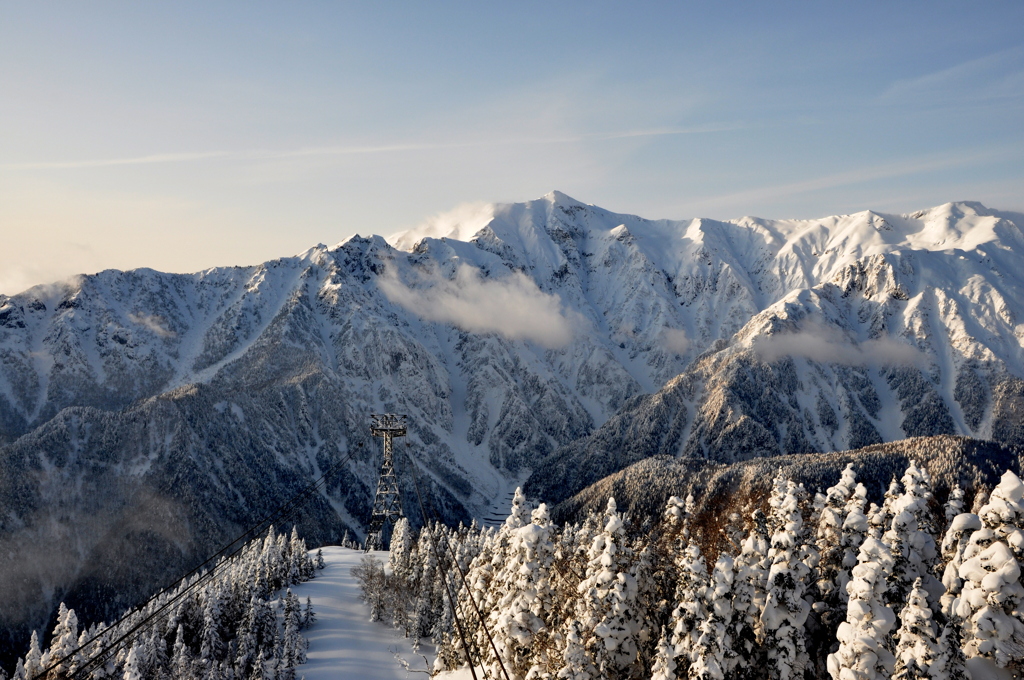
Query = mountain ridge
x=221 y=392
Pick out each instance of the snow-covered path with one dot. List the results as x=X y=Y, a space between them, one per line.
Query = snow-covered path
x=344 y=643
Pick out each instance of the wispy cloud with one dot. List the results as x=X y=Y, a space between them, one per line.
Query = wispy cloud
x=154 y=323
x=994 y=75
x=826 y=344
x=513 y=306
x=914 y=166
x=354 y=150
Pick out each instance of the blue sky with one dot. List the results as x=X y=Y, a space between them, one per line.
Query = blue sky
x=180 y=136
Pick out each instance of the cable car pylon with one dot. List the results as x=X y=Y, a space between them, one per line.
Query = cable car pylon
x=387 y=506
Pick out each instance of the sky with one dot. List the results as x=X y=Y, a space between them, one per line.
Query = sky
x=181 y=135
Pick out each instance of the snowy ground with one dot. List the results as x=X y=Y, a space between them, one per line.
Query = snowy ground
x=344 y=643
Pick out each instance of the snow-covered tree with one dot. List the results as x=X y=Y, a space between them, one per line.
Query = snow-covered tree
x=713 y=651
x=748 y=597
x=949 y=662
x=131 y=665
x=690 y=609
x=576 y=663
x=916 y=643
x=525 y=607
x=785 y=609
x=829 y=535
x=64 y=642
x=909 y=537
x=991 y=605
x=954 y=544
x=862 y=653
x=607 y=608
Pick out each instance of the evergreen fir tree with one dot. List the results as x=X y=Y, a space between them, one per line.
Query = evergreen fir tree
x=949 y=662
x=664 y=667
x=954 y=544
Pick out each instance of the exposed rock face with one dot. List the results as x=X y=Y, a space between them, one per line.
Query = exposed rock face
x=147 y=417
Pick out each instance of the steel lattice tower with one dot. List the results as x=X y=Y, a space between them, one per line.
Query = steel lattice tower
x=387 y=506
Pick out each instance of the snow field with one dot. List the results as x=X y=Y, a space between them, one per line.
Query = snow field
x=344 y=643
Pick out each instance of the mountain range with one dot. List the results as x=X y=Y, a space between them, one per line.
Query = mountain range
x=147 y=417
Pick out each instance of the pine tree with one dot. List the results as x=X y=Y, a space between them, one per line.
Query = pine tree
x=954 y=544
x=713 y=652
x=64 y=641
x=830 y=535
x=949 y=663
x=576 y=663
x=862 y=637
x=34 y=658
x=954 y=504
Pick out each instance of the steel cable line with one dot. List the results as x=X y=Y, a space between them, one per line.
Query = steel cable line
x=462 y=574
x=451 y=598
x=283 y=511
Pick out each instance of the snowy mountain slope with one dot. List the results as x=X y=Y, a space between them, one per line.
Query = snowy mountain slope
x=199 y=402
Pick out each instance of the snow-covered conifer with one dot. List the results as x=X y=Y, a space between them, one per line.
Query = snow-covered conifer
x=131 y=665
x=949 y=662
x=829 y=535
x=690 y=611
x=576 y=663
x=713 y=652
x=400 y=549
x=954 y=504
x=749 y=593
x=785 y=609
x=607 y=604
x=954 y=544
x=64 y=641
x=991 y=605
x=525 y=607
x=664 y=667
x=880 y=518
x=862 y=653
x=855 y=530
x=909 y=537
x=34 y=658
x=916 y=643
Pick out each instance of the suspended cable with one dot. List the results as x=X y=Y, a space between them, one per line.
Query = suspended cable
x=283 y=511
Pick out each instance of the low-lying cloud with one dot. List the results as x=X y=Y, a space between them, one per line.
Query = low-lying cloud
x=512 y=306
x=154 y=323
x=675 y=340
x=826 y=344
